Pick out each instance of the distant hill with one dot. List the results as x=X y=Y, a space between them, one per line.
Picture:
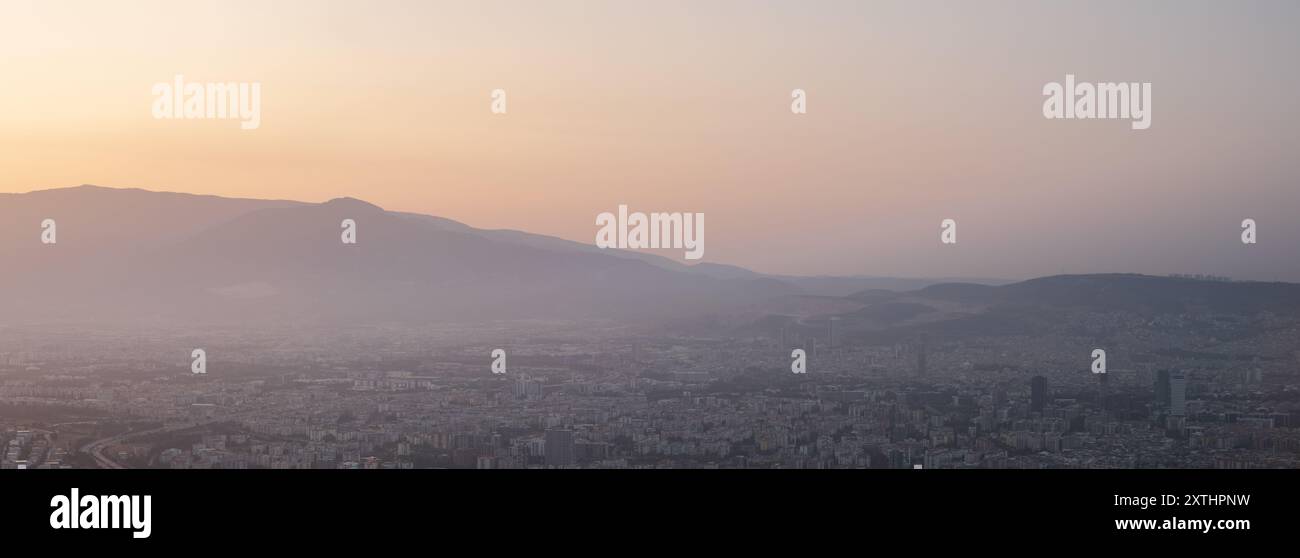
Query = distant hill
x=1038 y=306
x=125 y=255
x=1129 y=292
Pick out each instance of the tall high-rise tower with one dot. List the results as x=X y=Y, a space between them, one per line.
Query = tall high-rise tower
x=1178 y=393
x=1162 y=389
x=1037 y=393
x=920 y=355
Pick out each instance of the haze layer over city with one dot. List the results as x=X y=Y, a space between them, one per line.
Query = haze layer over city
x=182 y=343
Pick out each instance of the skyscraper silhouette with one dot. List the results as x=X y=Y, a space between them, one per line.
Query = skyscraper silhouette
x=1177 y=393
x=1162 y=389
x=920 y=356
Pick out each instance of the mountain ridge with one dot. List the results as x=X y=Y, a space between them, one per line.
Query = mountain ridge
x=170 y=254
x=127 y=253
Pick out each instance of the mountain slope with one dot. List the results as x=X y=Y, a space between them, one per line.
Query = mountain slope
x=127 y=255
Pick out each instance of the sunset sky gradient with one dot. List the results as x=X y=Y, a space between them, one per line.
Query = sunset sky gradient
x=917 y=112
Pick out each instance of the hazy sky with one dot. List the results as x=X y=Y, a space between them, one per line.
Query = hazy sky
x=917 y=112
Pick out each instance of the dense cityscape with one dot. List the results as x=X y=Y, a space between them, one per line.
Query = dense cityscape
x=592 y=395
